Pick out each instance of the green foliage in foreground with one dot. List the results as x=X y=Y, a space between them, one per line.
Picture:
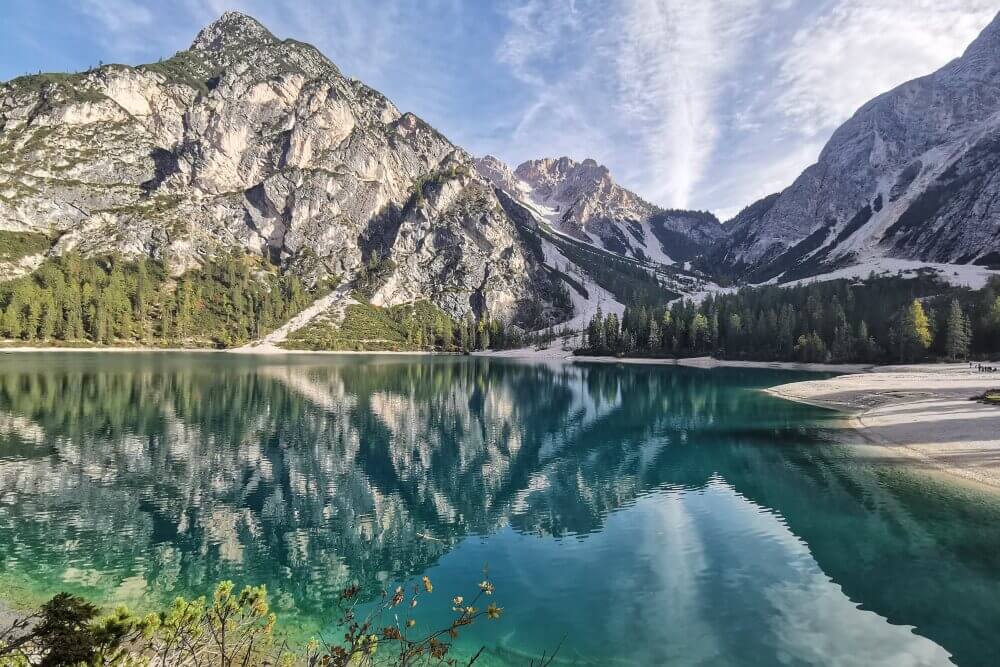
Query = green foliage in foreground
x=874 y=321
x=419 y=326
x=239 y=629
x=15 y=245
x=72 y=300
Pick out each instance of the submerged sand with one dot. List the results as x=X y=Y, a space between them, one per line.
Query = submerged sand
x=924 y=412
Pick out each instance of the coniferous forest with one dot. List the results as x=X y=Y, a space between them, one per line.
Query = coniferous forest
x=879 y=320
x=75 y=300
x=115 y=301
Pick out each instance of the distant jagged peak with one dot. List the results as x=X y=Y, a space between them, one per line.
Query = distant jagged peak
x=232 y=29
x=563 y=169
x=564 y=182
x=497 y=172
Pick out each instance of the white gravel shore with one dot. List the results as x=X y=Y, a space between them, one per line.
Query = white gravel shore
x=924 y=412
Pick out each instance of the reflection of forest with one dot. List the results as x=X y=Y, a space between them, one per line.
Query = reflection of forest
x=305 y=476
x=308 y=476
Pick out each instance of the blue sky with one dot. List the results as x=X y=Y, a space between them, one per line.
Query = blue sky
x=706 y=104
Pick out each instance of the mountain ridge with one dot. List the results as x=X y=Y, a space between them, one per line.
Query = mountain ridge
x=582 y=200
x=249 y=143
x=908 y=176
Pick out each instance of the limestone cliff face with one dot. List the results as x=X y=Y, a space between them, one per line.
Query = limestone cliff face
x=248 y=141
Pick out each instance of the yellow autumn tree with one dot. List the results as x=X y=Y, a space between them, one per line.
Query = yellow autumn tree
x=915 y=335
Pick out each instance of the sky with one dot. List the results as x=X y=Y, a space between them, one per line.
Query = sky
x=702 y=104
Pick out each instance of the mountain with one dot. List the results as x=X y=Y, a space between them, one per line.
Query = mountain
x=581 y=200
x=913 y=175
x=248 y=143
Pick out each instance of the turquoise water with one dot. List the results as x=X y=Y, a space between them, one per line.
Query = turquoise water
x=634 y=515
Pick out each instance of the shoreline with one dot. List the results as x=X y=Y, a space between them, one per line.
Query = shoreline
x=924 y=414
x=707 y=363
x=527 y=354
x=262 y=350
x=551 y=354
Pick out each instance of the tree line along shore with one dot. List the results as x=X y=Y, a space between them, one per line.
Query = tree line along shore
x=233 y=300
x=879 y=320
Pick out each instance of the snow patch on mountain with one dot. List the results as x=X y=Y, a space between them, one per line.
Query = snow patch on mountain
x=959 y=275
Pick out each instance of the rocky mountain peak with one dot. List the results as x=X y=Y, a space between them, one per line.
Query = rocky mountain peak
x=251 y=144
x=580 y=199
x=981 y=60
x=551 y=173
x=231 y=29
x=496 y=171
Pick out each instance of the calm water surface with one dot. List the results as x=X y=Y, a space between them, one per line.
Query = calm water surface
x=641 y=515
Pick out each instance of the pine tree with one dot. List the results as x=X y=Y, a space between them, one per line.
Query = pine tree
x=956 y=342
x=595 y=331
x=447 y=334
x=653 y=340
x=51 y=315
x=143 y=296
x=866 y=348
x=10 y=322
x=463 y=334
x=698 y=332
x=612 y=333
x=484 y=335
x=810 y=348
x=117 y=305
x=666 y=331
x=72 y=321
x=628 y=342
x=991 y=324
x=103 y=332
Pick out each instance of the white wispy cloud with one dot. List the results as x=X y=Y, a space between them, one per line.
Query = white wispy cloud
x=118 y=15
x=633 y=83
x=128 y=23
x=860 y=48
x=832 y=59
x=672 y=61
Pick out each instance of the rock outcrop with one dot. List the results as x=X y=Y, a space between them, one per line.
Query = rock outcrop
x=245 y=141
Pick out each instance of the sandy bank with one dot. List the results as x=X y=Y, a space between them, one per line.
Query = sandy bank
x=923 y=412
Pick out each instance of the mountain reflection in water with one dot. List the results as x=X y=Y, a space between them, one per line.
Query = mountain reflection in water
x=647 y=514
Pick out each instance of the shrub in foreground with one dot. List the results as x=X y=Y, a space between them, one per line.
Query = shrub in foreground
x=238 y=629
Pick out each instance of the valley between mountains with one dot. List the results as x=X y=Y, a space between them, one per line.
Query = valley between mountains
x=245 y=190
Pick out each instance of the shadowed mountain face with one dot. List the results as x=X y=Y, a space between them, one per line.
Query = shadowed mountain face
x=594 y=492
x=912 y=175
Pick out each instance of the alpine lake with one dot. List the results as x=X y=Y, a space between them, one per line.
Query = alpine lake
x=627 y=514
